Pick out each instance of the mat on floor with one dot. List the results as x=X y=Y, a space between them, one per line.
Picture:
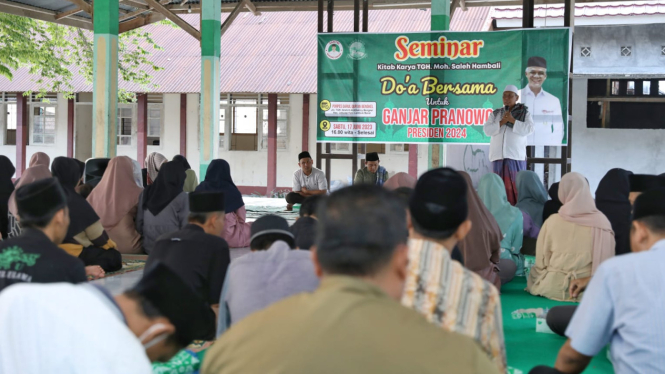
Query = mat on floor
x=527 y=348
x=129 y=264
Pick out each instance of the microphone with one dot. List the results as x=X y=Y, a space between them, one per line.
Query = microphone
x=506 y=108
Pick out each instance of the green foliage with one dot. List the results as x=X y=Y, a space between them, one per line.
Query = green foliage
x=54 y=53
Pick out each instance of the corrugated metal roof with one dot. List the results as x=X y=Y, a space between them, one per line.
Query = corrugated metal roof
x=473 y=19
x=274 y=52
x=584 y=10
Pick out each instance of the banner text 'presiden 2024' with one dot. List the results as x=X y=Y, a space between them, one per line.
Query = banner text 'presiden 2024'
x=439 y=87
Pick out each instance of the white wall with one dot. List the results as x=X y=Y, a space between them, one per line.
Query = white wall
x=52 y=150
x=597 y=150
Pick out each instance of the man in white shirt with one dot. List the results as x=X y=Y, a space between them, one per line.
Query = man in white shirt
x=307 y=181
x=623 y=304
x=509 y=127
x=66 y=328
x=543 y=106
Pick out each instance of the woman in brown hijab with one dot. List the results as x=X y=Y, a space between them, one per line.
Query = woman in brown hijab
x=400 y=180
x=40 y=158
x=115 y=199
x=31 y=174
x=482 y=246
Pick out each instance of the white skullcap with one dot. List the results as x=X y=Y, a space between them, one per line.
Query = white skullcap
x=512 y=88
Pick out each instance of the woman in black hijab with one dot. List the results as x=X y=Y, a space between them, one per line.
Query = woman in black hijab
x=552 y=206
x=191 y=181
x=86 y=238
x=163 y=206
x=612 y=199
x=218 y=178
x=6 y=188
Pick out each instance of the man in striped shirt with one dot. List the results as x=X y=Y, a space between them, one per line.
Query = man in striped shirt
x=448 y=294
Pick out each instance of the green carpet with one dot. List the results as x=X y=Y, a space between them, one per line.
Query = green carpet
x=525 y=347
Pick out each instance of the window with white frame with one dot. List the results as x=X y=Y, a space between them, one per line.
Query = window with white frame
x=125 y=119
x=282 y=127
x=43 y=124
x=154 y=123
x=244 y=113
x=340 y=146
x=8 y=103
x=399 y=148
x=223 y=113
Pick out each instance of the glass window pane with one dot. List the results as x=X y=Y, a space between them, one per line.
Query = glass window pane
x=615 y=87
x=265 y=129
x=630 y=90
x=49 y=139
x=49 y=123
x=126 y=112
x=281 y=114
x=125 y=140
x=246 y=102
x=37 y=139
x=281 y=143
x=646 y=88
x=222 y=126
x=661 y=88
x=37 y=111
x=154 y=127
x=245 y=120
x=50 y=110
x=11 y=117
x=281 y=128
x=154 y=113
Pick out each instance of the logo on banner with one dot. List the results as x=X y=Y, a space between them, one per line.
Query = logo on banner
x=325 y=105
x=334 y=50
x=325 y=125
x=357 y=50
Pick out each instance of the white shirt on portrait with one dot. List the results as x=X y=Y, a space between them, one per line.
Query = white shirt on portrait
x=545 y=109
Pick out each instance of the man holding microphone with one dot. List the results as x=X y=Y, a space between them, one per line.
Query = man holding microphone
x=509 y=128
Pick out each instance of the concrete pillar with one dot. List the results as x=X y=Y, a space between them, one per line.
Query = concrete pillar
x=183 y=124
x=142 y=128
x=272 y=144
x=70 y=128
x=21 y=132
x=305 y=123
x=105 y=78
x=211 y=12
x=440 y=19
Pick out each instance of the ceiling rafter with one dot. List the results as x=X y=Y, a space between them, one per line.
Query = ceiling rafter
x=175 y=19
x=234 y=13
x=68 y=13
x=86 y=7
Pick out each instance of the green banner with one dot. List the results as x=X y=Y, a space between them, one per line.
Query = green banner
x=439 y=87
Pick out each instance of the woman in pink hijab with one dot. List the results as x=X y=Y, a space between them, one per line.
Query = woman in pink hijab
x=572 y=244
x=40 y=158
x=31 y=174
x=400 y=180
x=115 y=200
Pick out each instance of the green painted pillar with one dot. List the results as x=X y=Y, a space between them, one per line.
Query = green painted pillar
x=440 y=21
x=105 y=78
x=211 y=27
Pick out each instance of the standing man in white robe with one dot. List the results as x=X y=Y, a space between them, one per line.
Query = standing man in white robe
x=65 y=328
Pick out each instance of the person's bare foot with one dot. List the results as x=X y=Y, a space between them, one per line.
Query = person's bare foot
x=94 y=272
x=289 y=207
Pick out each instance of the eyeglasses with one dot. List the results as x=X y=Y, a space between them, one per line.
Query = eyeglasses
x=534 y=73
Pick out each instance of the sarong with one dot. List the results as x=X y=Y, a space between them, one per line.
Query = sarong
x=507 y=169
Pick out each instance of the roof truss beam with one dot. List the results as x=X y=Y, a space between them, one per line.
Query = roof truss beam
x=175 y=19
x=86 y=7
x=68 y=13
x=234 y=13
x=23 y=10
x=139 y=21
x=252 y=8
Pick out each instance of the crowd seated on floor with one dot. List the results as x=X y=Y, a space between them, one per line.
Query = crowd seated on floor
x=392 y=276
